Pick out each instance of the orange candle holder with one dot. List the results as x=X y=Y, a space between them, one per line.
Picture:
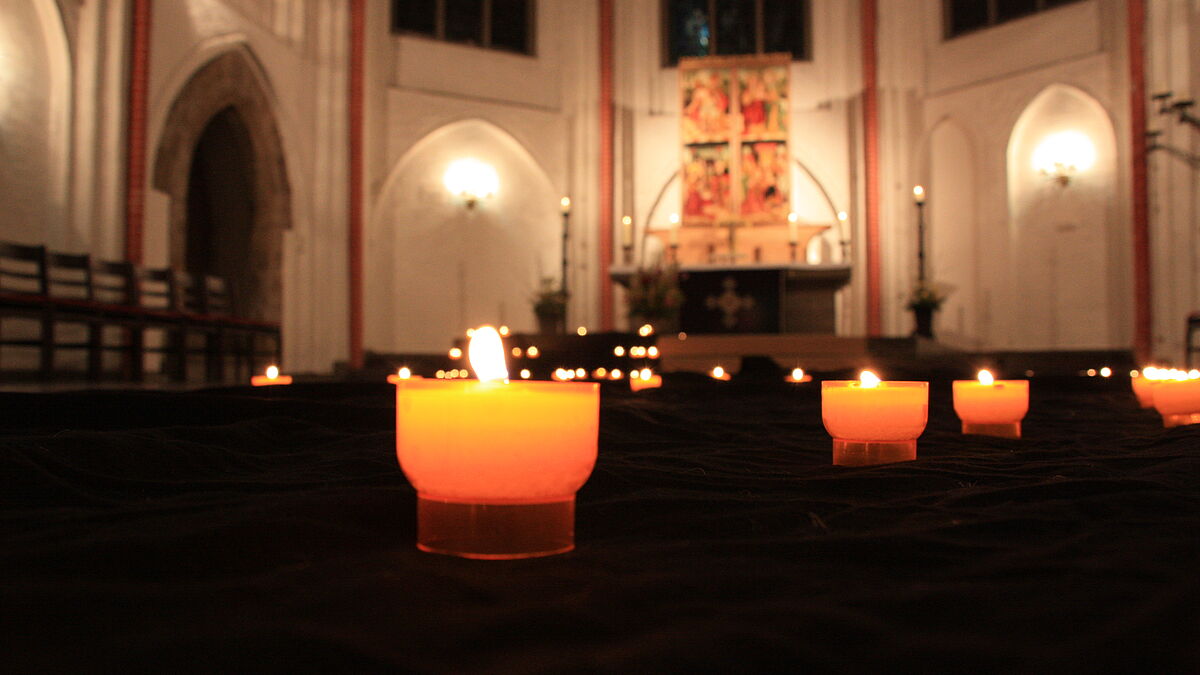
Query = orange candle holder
x=272 y=378
x=644 y=379
x=874 y=422
x=1143 y=386
x=990 y=407
x=1177 y=399
x=496 y=464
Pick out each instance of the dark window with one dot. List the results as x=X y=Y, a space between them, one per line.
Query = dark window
x=495 y=24
x=708 y=27
x=964 y=16
x=415 y=16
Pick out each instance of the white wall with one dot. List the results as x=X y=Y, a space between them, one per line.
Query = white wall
x=434 y=268
x=302 y=50
x=34 y=114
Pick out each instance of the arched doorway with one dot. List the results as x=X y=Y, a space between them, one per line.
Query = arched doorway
x=220 y=161
x=220 y=205
x=1067 y=267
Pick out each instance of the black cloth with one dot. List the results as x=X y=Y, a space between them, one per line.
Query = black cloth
x=272 y=529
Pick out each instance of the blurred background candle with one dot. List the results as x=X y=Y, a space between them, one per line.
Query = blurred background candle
x=991 y=407
x=874 y=422
x=644 y=379
x=1177 y=398
x=496 y=464
x=272 y=377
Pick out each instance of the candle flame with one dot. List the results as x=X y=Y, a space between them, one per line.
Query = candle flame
x=486 y=353
x=985 y=377
x=404 y=373
x=644 y=374
x=1106 y=372
x=718 y=372
x=797 y=373
x=272 y=372
x=868 y=379
x=646 y=330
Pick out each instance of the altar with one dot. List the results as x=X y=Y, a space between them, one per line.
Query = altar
x=773 y=298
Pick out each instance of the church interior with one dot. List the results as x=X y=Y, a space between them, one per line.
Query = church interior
x=600 y=335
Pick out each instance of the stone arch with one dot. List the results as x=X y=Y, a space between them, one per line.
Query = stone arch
x=435 y=267
x=1072 y=279
x=232 y=82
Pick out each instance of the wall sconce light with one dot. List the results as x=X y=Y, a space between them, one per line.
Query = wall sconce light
x=471 y=180
x=1060 y=156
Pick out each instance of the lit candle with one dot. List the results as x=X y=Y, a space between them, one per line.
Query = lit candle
x=565 y=204
x=718 y=373
x=626 y=231
x=1177 y=398
x=272 y=377
x=793 y=228
x=644 y=379
x=674 y=234
x=798 y=375
x=991 y=407
x=404 y=373
x=919 y=194
x=874 y=422
x=496 y=464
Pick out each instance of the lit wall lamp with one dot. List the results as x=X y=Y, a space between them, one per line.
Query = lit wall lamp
x=1062 y=155
x=471 y=180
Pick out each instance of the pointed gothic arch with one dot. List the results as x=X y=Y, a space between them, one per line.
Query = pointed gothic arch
x=231 y=90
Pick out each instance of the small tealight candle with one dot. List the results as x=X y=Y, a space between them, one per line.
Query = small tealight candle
x=272 y=377
x=404 y=373
x=496 y=464
x=644 y=379
x=718 y=373
x=874 y=422
x=990 y=407
x=797 y=376
x=1177 y=398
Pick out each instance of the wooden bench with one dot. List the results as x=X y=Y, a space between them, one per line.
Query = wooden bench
x=50 y=290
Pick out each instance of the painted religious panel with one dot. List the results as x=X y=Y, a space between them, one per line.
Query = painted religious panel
x=706 y=105
x=763 y=103
x=734 y=130
x=706 y=182
x=764 y=176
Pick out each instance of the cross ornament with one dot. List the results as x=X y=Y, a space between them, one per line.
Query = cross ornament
x=729 y=302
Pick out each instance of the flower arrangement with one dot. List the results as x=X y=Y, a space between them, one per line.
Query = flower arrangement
x=549 y=301
x=925 y=296
x=654 y=293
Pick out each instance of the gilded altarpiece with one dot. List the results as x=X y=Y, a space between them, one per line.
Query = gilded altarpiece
x=735 y=173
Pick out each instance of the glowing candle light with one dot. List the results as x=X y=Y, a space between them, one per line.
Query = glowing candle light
x=798 y=375
x=404 y=373
x=991 y=407
x=1177 y=397
x=581 y=331
x=565 y=205
x=793 y=228
x=272 y=377
x=718 y=373
x=627 y=231
x=646 y=330
x=644 y=379
x=496 y=464
x=874 y=422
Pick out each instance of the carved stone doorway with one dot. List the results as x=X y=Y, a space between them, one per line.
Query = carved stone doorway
x=221 y=163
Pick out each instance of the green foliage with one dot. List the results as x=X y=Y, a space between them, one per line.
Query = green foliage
x=925 y=296
x=549 y=301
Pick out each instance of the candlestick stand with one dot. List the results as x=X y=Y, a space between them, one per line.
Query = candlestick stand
x=628 y=254
x=566 y=233
x=792 y=245
x=675 y=253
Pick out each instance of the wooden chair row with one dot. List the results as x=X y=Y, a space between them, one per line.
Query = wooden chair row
x=193 y=315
